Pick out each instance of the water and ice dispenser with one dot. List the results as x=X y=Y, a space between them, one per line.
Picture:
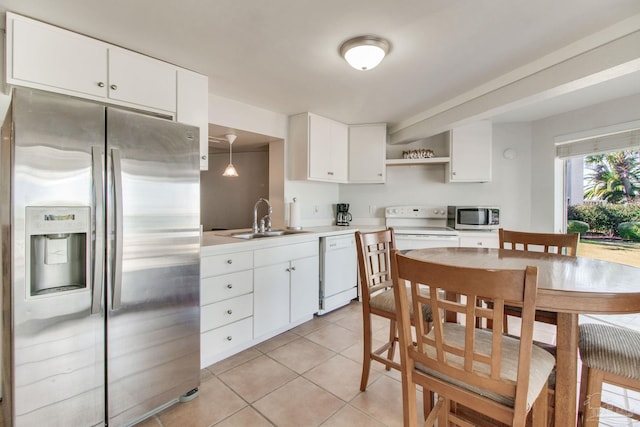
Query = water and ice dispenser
x=57 y=249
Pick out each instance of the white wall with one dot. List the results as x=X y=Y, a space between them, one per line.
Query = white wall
x=546 y=212
x=510 y=187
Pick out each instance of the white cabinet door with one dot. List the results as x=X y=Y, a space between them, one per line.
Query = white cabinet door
x=367 y=153
x=141 y=80
x=470 y=148
x=193 y=107
x=305 y=297
x=45 y=57
x=340 y=151
x=328 y=149
x=271 y=298
x=319 y=148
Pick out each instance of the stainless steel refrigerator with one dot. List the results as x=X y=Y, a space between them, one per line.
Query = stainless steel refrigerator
x=101 y=239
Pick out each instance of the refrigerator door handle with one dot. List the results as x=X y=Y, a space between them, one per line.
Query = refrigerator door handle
x=97 y=155
x=117 y=256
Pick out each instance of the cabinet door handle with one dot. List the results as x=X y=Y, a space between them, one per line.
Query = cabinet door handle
x=229 y=261
x=100 y=84
x=380 y=174
x=329 y=173
x=293 y=269
x=229 y=338
x=230 y=285
x=204 y=157
x=114 y=87
x=229 y=311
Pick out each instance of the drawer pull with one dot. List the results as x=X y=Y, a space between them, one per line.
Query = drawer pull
x=229 y=311
x=100 y=84
x=114 y=87
x=229 y=261
x=293 y=269
x=229 y=286
x=229 y=338
x=287 y=270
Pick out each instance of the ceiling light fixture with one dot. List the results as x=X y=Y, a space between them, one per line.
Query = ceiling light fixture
x=364 y=52
x=230 y=171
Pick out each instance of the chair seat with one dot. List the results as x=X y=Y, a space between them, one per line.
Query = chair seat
x=610 y=349
x=385 y=301
x=542 y=362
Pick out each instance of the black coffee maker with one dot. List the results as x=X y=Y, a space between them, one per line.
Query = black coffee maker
x=343 y=217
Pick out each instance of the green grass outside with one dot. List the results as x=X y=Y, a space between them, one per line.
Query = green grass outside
x=616 y=251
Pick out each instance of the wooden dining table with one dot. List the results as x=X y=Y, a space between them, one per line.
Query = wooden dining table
x=568 y=286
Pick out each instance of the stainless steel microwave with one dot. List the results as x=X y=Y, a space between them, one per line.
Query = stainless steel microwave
x=473 y=217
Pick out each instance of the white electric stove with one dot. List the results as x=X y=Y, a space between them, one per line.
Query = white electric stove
x=418 y=227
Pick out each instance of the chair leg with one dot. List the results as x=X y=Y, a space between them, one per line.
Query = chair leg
x=540 y=409
x=393 y=339
x=409 y=397
x=590 y=398
x=366 y=353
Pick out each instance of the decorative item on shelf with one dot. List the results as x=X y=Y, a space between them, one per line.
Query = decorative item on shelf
x=422 y=153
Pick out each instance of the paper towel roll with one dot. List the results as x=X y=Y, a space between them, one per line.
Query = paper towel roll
x=294 y=215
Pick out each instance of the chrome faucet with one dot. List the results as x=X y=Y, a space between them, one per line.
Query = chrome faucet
x=265 y=221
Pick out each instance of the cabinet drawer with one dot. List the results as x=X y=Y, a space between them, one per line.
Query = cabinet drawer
x=226 y=337
x=224 y=312
x=279 y=254
x=218 y=288
x=226 y=263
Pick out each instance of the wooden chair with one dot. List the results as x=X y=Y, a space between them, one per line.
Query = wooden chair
x=565 y=244
x=501 y=377
x=374 y=262
x=609 y=355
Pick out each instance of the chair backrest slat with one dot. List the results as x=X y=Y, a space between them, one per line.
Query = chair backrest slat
x=564 y=244
x=374 y=262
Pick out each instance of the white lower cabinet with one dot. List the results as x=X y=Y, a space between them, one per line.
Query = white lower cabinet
x=224 y=339
x=304 y=288
x=480 y=239
x=271 y=309
x=286 y=286
x=251 y=295
x=226 y=304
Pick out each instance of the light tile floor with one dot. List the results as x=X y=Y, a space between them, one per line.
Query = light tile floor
x=310 y=376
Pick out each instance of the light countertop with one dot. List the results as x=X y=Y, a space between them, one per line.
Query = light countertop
x=211 y=239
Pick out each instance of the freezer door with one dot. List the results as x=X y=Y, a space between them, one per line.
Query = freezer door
x=153 y=225
x=54 y=365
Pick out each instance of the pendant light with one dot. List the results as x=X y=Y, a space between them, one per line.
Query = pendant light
x=230 y=171
x=364 y=52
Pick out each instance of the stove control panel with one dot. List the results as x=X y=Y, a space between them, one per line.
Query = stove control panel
x=434 y=212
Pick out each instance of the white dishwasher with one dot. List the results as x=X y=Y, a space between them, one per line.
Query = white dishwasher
x=338 y=271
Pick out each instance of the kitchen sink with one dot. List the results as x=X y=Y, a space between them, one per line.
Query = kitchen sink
x=272 y=233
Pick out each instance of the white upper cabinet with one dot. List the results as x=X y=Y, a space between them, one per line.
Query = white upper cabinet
x=470 y=151
x=141 y=80
x=319 y=148
x=46 y=57
x=367 y=152
x=193 y=107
